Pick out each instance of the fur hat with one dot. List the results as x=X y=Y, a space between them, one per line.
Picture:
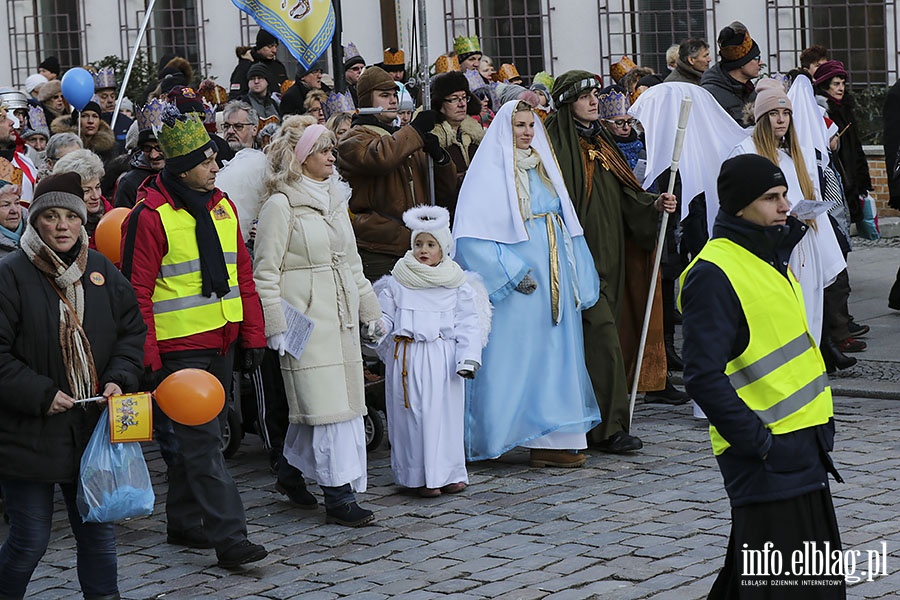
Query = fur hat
x=745 y=178
x=177 y=71
x=50 y=89
x=434 y=220
x=62 y=190
x=769 y=96
x=372 y=79
x=736 y=47
x=445 y=84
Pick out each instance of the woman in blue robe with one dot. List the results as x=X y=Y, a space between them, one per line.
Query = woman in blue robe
x=516 y=227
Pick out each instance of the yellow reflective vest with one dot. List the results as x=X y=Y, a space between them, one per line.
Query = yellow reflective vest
x=179 y=309
x=780 y=375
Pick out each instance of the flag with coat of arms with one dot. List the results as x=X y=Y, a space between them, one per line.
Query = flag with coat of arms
x=305 y=27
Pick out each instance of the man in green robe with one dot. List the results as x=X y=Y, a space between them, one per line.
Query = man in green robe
x=620 y=223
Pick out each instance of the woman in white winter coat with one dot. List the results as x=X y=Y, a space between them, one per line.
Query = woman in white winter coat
x=306 y=255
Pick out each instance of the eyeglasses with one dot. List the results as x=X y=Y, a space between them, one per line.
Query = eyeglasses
x=620 y=122
x=317 y=110
x=462 y=98
x=238 y=127
x=56 y=97
x=151 y=148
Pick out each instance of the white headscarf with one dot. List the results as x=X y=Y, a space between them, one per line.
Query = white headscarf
x=488 y=206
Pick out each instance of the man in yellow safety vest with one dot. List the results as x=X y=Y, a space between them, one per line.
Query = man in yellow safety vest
x=186 y=259
x=753 y=367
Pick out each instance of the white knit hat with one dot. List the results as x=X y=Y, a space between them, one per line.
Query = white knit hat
x=32 y=82
x=434 y=220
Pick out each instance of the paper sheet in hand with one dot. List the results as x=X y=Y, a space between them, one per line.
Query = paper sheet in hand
x=299 y=328
x=806 y=210
x=640 y=169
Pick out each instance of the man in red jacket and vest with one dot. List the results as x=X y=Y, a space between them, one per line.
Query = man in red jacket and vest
x=192 y=274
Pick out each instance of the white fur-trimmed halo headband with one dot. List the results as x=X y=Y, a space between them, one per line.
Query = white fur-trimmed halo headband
x=427 y=218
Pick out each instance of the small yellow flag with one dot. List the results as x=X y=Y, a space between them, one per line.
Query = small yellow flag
x=130 y=418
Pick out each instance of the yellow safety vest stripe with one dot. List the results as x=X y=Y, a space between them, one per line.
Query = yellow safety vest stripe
x=179 y=309
x=780 y=375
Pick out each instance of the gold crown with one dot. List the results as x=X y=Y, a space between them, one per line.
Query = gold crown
x=618 y=70
x=394 y=58
x=186 y=134
x=507 y=72
x=467 y=45
x=286 y=85
x=9 y=173
x=445 y=64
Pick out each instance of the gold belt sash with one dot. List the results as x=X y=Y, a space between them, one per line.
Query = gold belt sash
x=554 y=261
x=398 y=340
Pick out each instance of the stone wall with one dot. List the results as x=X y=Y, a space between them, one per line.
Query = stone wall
x=875 y=155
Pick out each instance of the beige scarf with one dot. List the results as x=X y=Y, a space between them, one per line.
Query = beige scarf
x=66 y=281
x=525 y=160
x=412 y=274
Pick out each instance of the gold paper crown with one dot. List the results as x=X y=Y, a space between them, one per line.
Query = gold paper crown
x=394 y=57
x=445 y=64
x=286 y=85
x=9 y=173
x=260 y=123
x=544 y=78
x=467 y=45
x=618 y=70
x=506 y=72
x=186 y=134
x=213 y=93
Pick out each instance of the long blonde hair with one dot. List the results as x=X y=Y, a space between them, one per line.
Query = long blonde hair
x=282 y=167
x=767 y=145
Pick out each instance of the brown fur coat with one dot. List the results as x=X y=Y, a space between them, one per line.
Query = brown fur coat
x=102 y=143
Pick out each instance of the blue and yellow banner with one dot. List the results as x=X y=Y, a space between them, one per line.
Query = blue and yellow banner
x=305 y=27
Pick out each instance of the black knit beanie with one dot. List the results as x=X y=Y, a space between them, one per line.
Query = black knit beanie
x=264 y=38
x=745 y=178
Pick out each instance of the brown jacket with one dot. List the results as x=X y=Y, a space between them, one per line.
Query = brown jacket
x=388 y=172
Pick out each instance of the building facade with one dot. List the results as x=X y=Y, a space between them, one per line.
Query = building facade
x=549 y=35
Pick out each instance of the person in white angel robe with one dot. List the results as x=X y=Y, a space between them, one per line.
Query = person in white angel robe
x=435 y=331
x=789 y=130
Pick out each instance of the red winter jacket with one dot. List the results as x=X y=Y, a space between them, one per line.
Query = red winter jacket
x=144 y=244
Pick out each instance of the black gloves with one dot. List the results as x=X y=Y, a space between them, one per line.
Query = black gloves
x=527 y=285
x=424 y=122
x=434 y=150
x=252 y=359
x=151 y=379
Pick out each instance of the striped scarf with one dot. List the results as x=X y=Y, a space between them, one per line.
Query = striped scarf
x=66 y=281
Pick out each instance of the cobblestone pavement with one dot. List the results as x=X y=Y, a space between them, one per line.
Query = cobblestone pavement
x=653 y=525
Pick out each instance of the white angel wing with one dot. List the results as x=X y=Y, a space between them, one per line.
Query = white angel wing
x=809 y=126
x=242 y=181
x=482 y=305
x=710 y=136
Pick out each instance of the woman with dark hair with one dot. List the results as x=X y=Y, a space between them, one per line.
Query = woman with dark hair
x=831 y=85
x=70 y=329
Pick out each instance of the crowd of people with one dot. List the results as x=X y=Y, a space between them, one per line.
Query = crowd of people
x=504 y=293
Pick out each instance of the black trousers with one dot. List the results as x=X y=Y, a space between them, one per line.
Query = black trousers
x=786 y=524
x=201 y=491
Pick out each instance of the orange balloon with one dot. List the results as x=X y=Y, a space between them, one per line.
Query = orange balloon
x=191 y=396
x=108 y=235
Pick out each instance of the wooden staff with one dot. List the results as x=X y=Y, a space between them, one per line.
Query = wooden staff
x=660 y=245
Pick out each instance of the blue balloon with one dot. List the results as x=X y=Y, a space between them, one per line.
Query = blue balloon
x=78 y=87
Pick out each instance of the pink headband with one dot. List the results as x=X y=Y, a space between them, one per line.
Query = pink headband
x=309 y=138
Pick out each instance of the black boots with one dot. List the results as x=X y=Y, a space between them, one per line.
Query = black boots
x=834 y=358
